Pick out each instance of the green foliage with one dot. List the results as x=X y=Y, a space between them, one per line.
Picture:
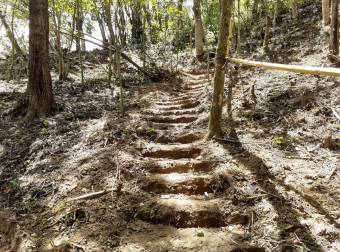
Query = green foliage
x=15 y=185
x=280 y=142
x=151 y=130
x=200 y=234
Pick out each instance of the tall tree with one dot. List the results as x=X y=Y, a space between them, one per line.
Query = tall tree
x=325 y=12
x=334 y=39
x=136 y=23
x=10 y=34
x=199 y=31
x=39 y=90
x=219 y=77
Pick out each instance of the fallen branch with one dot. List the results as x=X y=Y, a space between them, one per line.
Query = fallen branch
x=321 y=71
x=124 y=56
x=93 y=195
x=335 y=114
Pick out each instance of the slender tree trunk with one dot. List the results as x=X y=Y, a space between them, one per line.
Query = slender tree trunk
x=238 y=46
x=334 y=38
x=102 y=29
x=73 y=27
x=295 y=10
x=325 y=12
x=39 y=89
x=199 y=31
x=230 y=37
x=217 y=103
x=276 y=9
x=122 y=23
x=12 y=72
x=266 y=34
x=57 y=25
x=108 y=21
x=79 y=36
x=255 y=11
x=80 y=27
x=136 y=23
x=10 y=34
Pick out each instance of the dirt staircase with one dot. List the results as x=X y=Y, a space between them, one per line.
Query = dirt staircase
x=183 y=214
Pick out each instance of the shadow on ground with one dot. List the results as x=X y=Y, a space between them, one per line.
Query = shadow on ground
x=288 y=217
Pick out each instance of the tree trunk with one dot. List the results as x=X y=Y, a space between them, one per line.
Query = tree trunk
x=80 y=46
x=108 y=21
x=334 y=38
x=10 y=35
x=136 y=23
x=80 y=41
x=238 y=46
x=295 y=10
x=217 y=103
x=102 y=29
x=325 y=12
x=121 y=24
x=39 y=89
x=57 y=24
x=266 y=34
x=199 y=31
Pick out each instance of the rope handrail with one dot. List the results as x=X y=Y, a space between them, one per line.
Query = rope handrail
x=320 y=71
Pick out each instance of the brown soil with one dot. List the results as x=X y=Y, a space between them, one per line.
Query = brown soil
x=269 y=185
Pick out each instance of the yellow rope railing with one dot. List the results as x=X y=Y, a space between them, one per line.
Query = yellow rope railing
x=320 y=71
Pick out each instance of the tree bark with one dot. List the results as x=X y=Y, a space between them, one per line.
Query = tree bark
x=39 y=90
x=325 y=12
x=80 y=41
x=199 y=31
x=108 y=21
x=136 y=24
x=266 y=34
x=102 y=29
x=334 y=38
x=10 y=35
x=219 y=77
x=295 y=10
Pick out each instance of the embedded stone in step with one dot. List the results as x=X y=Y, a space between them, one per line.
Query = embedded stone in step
x=187 y=183
x=183 y=212
x=179 y=166
x=173 y=119
x=171 y=152
x=183 y=139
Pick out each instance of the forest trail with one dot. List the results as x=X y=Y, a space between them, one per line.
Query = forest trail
x=184 y=212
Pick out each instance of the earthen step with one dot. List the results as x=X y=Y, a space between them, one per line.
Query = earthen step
x=181 y=166
x=194 y=87
x=179 y=102
x=183 y=139
x=183 y=212
x=172 y=152
x=143 y=236
x=182 y=183
x=169 y=126
x=172 y=119
x=172 y=112
x=182 y=106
